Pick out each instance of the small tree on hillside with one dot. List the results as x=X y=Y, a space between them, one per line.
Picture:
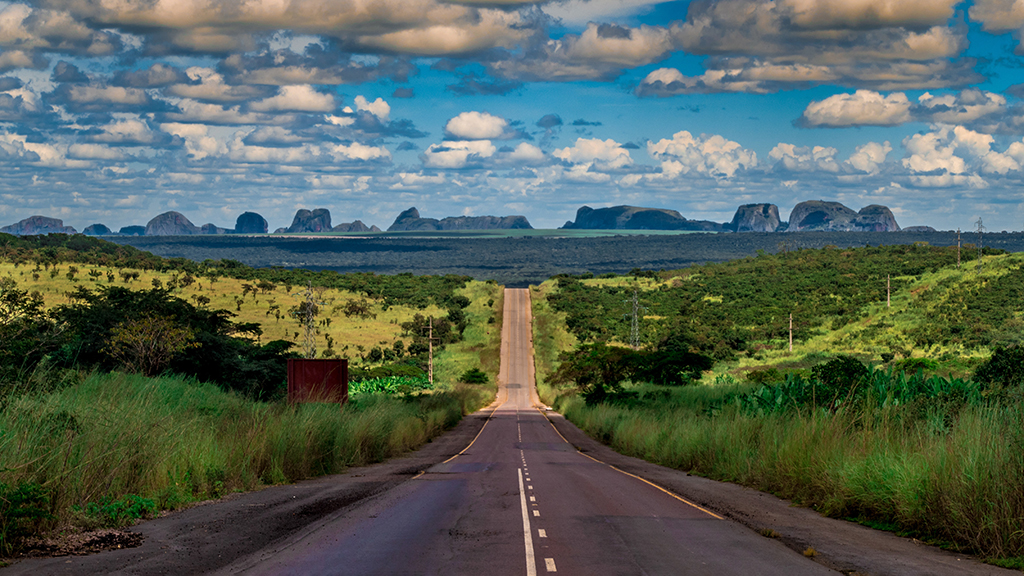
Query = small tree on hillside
x=147 y=345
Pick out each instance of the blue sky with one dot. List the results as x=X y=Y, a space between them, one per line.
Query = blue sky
x=114 y=111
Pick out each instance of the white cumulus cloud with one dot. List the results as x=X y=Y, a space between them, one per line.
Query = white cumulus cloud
x=457 y=154
x=604 y=154
x=476 y=126
x=805 y=158
x=869 y=157
x=379 y=108
x=712 y=155
x=298 y=98
x=862 y=108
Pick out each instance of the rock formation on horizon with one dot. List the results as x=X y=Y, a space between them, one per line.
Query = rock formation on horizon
x=306 y=221
x=213 y=229
x=97 y=230
x=918 y=229
x=356 y=226
x=171 y=224
x=756 y=218
x=637 y=218
x=251 y=223
x=34 y=225
x=834 y=217
x=132 y=231
x=410 y=220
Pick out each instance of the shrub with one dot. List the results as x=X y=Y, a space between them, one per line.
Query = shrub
x=20 y=506
x=1004 y=368
x=115 y=513
x=147 y=345
x=474 y=376
x=765 y=376
x=915 y=365
x=841 y=373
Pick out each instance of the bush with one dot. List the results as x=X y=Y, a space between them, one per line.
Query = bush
x=474 y=376
x=836 y=380
x=915 y=365
x=115 y=513
x=1004 y=368
x=765 y=376
x=20 y=506
x=841 y=373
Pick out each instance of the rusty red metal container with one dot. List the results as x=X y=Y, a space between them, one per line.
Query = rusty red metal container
x=317 y=381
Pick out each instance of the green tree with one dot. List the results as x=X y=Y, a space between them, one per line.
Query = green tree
x=147 y=345
x=597 y=370
x=27 y=332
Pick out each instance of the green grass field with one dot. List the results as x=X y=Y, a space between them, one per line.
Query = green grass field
x=351 y=336
x=100 y=437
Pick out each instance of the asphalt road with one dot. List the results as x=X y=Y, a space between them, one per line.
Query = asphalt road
x=521 y=500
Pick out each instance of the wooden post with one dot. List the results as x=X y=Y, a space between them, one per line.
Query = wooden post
x=888 y=292
x=790 y=331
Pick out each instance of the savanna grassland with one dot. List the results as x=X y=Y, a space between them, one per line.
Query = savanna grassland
x=907 y=416
x=96 y=433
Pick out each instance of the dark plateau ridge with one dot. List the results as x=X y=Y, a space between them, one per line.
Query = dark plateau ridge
x=521 y=261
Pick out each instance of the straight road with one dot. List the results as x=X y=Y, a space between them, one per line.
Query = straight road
x=520 y=500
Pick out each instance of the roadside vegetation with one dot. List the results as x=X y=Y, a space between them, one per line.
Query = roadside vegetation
x=126 y=389
x=906 y=417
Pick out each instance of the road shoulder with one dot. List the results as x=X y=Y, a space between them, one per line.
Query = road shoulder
x=843 y=546
x=210 y=536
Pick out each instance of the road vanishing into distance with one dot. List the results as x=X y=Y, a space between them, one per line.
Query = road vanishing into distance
x=521 y=500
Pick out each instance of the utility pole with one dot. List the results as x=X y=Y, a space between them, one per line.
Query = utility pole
x=958 y=248
x=791 y=332
x=430 y=353
x=981 y=228
x=888 y=291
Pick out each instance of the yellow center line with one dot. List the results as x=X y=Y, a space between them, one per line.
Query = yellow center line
x=645 y=481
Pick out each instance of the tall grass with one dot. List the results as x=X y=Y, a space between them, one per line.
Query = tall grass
x=176 y=440
x=550 y=338
x=951 y=472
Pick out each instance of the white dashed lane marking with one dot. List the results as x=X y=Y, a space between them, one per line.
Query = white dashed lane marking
x=549 y=563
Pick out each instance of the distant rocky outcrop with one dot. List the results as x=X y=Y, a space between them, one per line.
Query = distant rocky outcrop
x=251 y=223
x=306 y=221
x=38 y=225
x=356 y=226
x=171 y=224
x=636 y=218
x=213 y=229
x=918 y=229
x=756 y=218
x=132 y=231
x=834 y=217
x=876 y=218
x=97 y=230
x=410 y=220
